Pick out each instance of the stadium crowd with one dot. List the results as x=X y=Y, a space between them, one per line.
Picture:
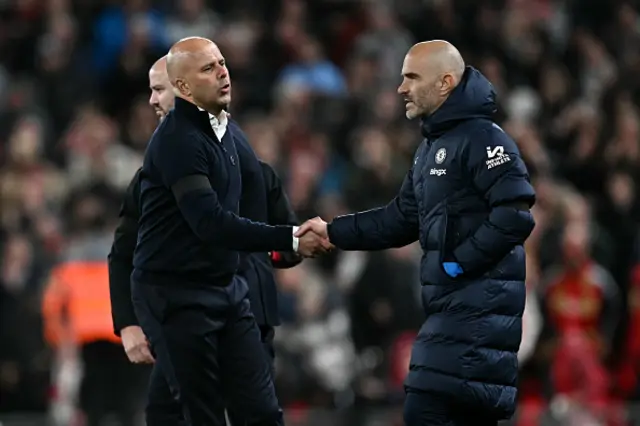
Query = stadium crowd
x=314 y=87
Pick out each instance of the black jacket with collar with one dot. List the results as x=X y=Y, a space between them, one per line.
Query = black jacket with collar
x=273 y=207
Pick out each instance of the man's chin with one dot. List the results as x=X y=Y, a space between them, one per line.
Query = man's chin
x=411 y=114
x=225 y=100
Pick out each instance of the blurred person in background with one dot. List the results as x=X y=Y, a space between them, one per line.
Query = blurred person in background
x=314 y=337
x=582 y=306
x=628 y=371
x=384 y=304
x=24 y=357
x=76 y=308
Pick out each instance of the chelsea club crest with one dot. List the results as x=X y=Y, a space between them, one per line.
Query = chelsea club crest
x=441 y=154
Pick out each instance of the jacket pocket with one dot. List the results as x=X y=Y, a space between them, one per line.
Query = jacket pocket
x=449 y=236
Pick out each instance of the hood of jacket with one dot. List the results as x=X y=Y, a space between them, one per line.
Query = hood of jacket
x=474 y=97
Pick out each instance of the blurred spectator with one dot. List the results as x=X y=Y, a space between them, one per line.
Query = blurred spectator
x=192 y=18
x=76 y=309
x=123 y=29
x=582 y=304
x=23 y=354
x=312 y=71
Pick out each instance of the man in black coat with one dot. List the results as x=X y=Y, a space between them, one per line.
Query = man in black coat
x=467 y=200
x=173 y=281
x=256 y=268
x=263 y=200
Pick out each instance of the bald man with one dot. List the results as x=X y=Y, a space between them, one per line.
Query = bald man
x=190 y=303
x=263 y=198
x=162 y=97
x=125 y=323
x=466 y=199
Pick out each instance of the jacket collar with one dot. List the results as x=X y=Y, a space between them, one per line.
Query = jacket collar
x=195 y=115
x=474 y=97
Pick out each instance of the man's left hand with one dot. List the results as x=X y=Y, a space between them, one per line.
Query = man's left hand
x=452 y=269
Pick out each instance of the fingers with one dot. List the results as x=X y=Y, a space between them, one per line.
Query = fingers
x=303 y=229
x=326 y=245
x=134 y=356
x=140 y=354
x=317 y=225
x=146 y=357
x=312 y=245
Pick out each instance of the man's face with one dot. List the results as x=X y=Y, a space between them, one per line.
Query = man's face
x=162 y=97
x=207 y=79
x=420 y=88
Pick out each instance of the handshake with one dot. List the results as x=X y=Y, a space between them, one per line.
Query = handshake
x=313 y=238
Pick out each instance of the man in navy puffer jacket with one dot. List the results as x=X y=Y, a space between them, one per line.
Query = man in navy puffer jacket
x=467 y=200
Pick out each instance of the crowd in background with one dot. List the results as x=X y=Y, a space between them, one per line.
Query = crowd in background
x=314 y=88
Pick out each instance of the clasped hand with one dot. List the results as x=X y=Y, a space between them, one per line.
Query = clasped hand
x=313 y=238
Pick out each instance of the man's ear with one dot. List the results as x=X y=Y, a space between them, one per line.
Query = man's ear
x=447 y=84
x=182 y=87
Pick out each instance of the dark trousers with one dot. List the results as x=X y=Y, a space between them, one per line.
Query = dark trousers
x=111 y=385
x=162 y=405
x=427 y=409
x=208 y=355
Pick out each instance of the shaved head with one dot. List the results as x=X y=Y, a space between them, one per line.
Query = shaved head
x=162 y=97
x=160 y=65
x=440 y=56
x=198 y=72
x=431 y=70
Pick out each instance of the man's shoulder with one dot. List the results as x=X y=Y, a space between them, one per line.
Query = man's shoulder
x=480 y=135
x=237 y=131
x=173 y=126
x=172 y=131
x=474 y=127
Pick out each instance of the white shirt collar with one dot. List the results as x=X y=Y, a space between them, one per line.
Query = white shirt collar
x=222 y=121
x=219 y=125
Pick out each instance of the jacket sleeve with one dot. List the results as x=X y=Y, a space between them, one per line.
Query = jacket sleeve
x=280 y=213
x=121 y=259
x=184 y=167
x=498 y=172
x=394 y=225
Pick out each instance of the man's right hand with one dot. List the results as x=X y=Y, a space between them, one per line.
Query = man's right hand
x=136 y=345
x=313 y=238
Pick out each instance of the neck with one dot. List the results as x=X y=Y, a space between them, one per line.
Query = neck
x=219 y=114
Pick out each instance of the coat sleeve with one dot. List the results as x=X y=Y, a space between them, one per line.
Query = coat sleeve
x=498 y=172
x=394 y=225
x=280 y=213
x=184 y=167
x=121 y=259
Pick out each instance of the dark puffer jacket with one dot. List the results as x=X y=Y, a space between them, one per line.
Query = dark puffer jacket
x=466 y=199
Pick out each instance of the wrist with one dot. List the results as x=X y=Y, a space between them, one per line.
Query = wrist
x=295 y=240
x=128 y=329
